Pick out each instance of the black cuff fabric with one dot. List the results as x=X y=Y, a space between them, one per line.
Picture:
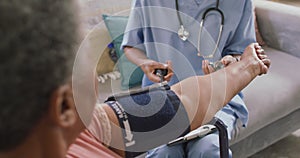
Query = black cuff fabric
x=149 y=119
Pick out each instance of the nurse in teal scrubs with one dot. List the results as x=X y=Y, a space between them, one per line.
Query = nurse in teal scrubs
x=153 y=37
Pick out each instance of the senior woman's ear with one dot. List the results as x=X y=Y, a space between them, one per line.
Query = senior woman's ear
x=62 y=108
x=63 y=115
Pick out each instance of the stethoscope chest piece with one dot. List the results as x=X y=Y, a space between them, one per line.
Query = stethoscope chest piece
x=183 y=33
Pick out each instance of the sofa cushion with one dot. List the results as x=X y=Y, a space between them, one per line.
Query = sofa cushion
x=272 y=96
x=279 y=25
x=259 y=38
x=131 y=75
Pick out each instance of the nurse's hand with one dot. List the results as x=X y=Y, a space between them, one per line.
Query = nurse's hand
x=226 y=60
x=149 y=67
x=206 y=67
x=229 y=59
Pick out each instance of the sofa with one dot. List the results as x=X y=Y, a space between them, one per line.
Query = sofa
x=273 y=100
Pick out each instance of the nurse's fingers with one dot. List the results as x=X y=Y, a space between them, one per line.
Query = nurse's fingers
x=206 y=68
x=170 y=71
x=228 y=59
x=149 y=68
x=152 y=77
x=157 y=65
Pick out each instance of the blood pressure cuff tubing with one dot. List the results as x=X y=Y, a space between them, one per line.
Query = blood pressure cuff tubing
x=149 y=119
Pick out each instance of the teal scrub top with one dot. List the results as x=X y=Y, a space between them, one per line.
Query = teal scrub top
x=153 y=26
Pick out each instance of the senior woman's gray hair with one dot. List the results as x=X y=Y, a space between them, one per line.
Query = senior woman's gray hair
x=37 y=39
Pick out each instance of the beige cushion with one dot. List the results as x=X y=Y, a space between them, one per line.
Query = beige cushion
x=272 y=96
x=279 y=25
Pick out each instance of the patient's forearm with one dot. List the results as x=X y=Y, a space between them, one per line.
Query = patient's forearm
x=203 y=96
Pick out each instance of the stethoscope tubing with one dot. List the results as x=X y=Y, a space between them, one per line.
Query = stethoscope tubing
x=205 y=14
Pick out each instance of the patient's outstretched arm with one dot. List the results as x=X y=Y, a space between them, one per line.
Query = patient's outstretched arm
x=201 y=96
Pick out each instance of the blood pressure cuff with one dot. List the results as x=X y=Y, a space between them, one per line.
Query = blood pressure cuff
x=149 y=118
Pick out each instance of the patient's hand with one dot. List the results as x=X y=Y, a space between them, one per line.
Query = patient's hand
x=255 y=55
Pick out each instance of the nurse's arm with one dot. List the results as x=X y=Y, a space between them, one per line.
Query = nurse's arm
x=148 y=66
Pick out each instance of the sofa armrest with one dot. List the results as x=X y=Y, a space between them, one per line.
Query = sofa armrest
x=279 y=25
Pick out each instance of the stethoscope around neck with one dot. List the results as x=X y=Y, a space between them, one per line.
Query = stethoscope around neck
x=184 y=34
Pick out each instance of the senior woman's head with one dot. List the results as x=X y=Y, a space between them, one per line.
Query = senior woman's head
x=37 y=50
